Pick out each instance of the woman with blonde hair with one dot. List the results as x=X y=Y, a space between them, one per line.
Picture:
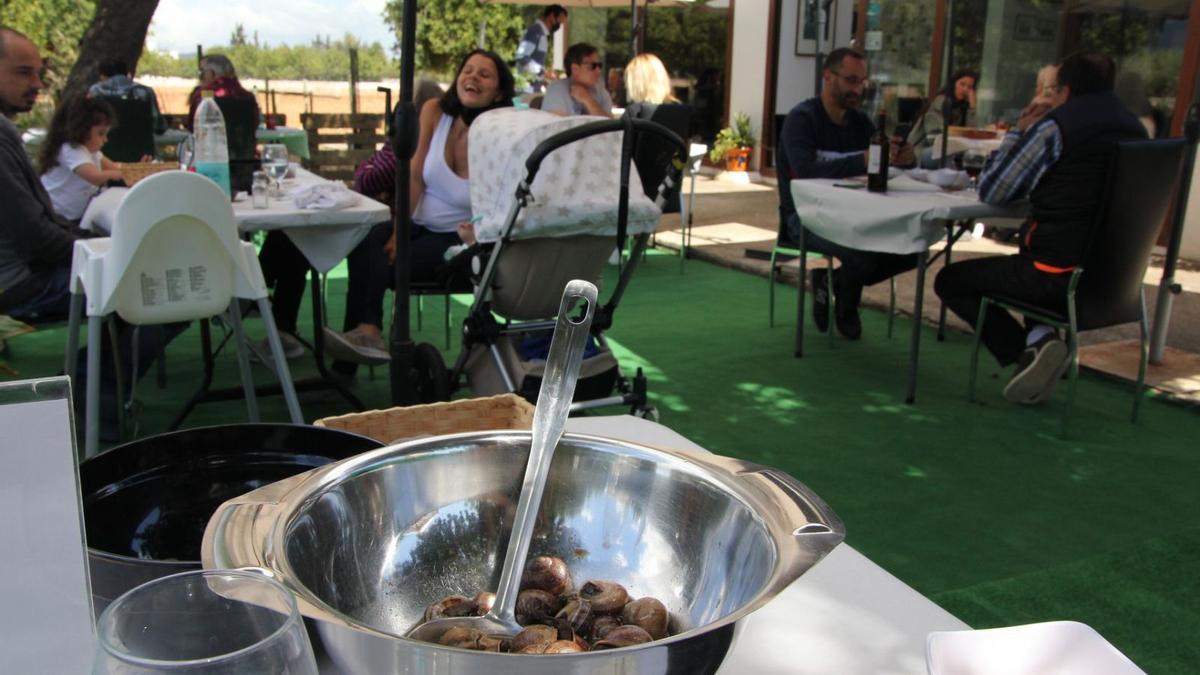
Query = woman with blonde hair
x=646 y=81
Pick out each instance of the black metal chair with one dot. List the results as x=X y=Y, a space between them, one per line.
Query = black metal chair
x=132 y=137
x=241 y=123
x=1107 y=289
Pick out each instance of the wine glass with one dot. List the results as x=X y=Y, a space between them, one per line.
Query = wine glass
x=973 y=161
x=275 y=163
x=204 y=621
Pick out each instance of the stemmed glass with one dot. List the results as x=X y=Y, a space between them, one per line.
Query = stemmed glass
x=275 y=163
x=206 y=621
x=973 y=161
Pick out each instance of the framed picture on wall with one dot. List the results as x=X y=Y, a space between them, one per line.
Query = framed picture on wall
x=807 y=25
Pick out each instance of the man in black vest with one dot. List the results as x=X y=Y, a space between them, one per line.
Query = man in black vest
x=827 y=137
x=1058 y=158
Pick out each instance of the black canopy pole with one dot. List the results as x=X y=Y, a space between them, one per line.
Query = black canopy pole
x=947 y=101
x=403 y=143
x=1168 y=288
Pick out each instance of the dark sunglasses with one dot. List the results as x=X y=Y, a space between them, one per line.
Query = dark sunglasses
x=594 y=66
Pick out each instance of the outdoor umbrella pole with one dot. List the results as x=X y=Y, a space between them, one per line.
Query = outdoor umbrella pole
x=403 y=137
x=1168 y=288
x=947 y=101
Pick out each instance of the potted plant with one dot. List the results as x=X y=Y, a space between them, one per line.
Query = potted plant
x=734 y=143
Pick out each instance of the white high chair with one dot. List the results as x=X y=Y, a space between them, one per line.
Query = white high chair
x=174 y=255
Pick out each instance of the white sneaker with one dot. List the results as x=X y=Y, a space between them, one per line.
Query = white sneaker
x=355 y=346
x=292 y=348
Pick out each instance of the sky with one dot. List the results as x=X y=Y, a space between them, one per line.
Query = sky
x=179 y=25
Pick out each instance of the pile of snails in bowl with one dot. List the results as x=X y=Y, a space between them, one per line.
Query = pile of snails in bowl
x=557 y=618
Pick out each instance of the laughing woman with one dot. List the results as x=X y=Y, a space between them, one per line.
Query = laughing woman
x=441 y=194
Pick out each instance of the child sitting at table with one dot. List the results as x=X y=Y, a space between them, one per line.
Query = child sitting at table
x=72 y=167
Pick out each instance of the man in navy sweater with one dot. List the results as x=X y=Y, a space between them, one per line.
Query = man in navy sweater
x=827 y=137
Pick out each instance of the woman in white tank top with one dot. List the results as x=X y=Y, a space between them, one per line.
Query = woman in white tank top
x=439 y=190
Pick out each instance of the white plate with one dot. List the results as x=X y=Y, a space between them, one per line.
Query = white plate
x=1051 y=648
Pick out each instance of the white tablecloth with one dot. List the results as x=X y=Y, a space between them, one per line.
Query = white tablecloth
x=846 y=615
x=907 y=219
x=324 y=237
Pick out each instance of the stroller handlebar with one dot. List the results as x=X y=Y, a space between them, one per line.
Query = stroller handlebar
x=600 y=127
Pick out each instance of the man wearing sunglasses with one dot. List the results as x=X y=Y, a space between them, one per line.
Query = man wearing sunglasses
x=827 y=137
x=582 y=92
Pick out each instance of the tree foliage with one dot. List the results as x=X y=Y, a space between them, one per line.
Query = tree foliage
x=448 y=29
x=324 y=59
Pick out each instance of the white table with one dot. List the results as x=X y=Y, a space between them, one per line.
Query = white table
x=846 y=615
x=908 y=219
x=325 y=237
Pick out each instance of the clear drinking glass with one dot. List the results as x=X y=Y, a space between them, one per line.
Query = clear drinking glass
x=275 y=163
x=260 y=187
x=206 y=621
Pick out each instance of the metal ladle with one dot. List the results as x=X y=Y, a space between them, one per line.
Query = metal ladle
x=553 y=405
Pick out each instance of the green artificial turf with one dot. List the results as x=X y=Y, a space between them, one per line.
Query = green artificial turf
x=981 y=507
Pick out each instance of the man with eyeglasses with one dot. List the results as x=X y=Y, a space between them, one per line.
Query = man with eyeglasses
x=581 y=92
x=1057 y=157
x=827 y=137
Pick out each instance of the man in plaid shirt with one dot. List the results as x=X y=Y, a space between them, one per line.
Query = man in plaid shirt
x=1057 y=157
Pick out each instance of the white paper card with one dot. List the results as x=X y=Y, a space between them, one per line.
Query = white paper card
x=45 y=601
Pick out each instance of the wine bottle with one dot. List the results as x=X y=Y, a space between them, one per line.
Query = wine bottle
x=877 y=156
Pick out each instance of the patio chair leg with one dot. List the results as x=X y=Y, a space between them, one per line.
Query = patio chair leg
x=1072 y=376
x=798 y=350
x=420 y=310
x=71 y=357
x=243 y=359
x=1144 y=357
x=118 y=373
x=285 y=376
x=891 y=307
x=447 y=302
x=941 y=334
x=831 y=322
x=983 y=307
x=91 y=415
x=771 y=290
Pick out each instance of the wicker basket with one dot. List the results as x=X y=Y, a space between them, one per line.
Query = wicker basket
x=507 y=411
x=132 y=172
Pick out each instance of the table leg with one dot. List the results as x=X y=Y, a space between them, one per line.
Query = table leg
x=914 y=345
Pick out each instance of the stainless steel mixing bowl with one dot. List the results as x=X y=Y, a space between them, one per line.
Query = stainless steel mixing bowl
x=366 y=543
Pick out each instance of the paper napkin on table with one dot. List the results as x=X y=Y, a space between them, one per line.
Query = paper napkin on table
x=326 y=196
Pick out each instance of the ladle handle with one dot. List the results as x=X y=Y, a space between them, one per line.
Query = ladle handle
x=549 y=418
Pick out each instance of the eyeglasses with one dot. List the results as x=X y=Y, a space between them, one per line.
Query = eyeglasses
x=852 y=80
x=595 y=65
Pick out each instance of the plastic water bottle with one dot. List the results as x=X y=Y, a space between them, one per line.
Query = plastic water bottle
x=211 y=154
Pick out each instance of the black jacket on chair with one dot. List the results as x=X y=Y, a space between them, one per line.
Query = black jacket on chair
x=1067 y=199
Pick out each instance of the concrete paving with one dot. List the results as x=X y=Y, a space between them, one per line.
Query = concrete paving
x=735 y=224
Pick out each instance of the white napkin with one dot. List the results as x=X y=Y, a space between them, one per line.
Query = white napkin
x=325 y=196
x=943 y=178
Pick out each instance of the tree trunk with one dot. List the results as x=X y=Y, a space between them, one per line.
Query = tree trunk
x=118 y=32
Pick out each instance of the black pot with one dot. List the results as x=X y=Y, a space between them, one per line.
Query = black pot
x=146 y=503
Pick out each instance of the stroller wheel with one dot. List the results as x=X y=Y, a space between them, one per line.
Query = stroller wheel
x=429 y=375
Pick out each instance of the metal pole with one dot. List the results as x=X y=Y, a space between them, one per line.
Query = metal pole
x=353 y=81
x=947 y=101
x=1168 y=288
x=404 y=131
x=633 y=28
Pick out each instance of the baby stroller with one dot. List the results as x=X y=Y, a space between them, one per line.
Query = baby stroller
x=537 y=232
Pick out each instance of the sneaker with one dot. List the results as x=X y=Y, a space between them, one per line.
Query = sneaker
x=356 y=347
x=292 y=348
x=820 y=291
x=1038 y=370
